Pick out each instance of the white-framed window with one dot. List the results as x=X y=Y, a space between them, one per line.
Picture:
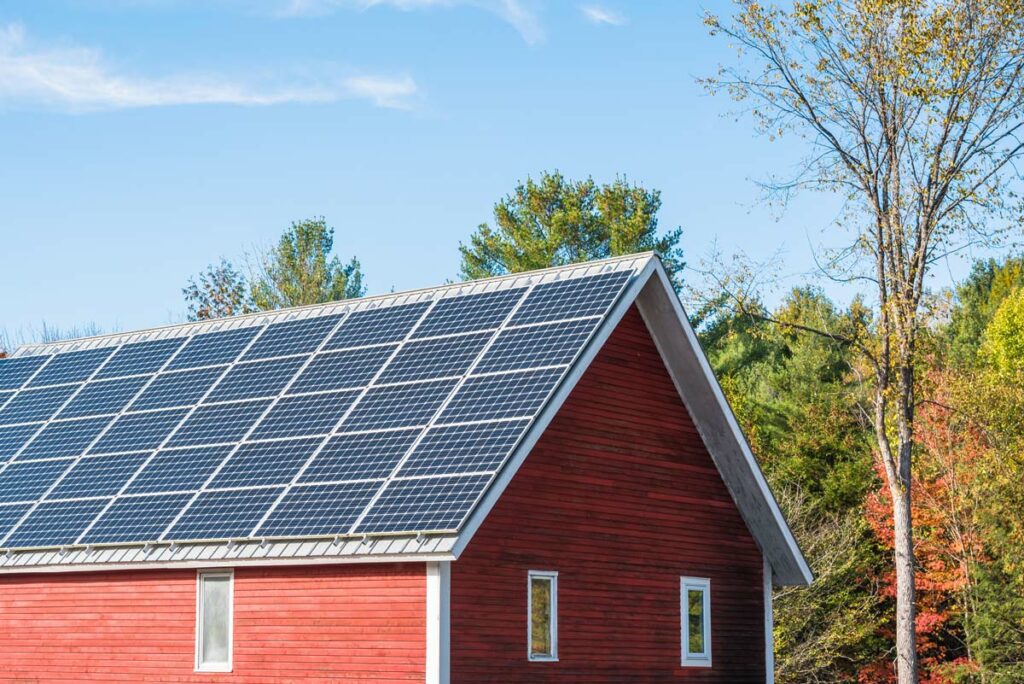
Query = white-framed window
x=542 y=615
x=695 y=611
x=214 y=620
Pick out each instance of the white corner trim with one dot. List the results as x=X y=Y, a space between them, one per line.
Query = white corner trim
x=552 y=405
x=438 y=622
x=769 y=625
x=703 y=397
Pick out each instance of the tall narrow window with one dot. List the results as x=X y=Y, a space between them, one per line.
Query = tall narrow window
x=543 y=615
x=695 y=611
x=214 y=596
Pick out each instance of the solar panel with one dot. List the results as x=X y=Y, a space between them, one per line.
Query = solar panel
x=136 y=518
x=64 y=438
x=29 y=480
x=219 y=423
x=293 y=337
x=373 y=416
x=140 y=358
x=177 y=389
x=467 y=313
x=360 y=456
x=265 y=463
x=71 y=367
x=14 y=372
x=35 y=404
x=256 y=379
x=318 y=510
x=179 y=469
x=510 y=395
x=437 y=358
x=429 y=504
x=99 y=398
x=311 y=414
x=375 y=326
x=138 y=431
x=213 y=349
x=14 y=438
x=55 y=523
x=97 y=476
x=223 y=514
x=342 y=369
x=464 y=448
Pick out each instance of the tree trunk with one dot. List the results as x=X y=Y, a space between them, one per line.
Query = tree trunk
x=906 y=610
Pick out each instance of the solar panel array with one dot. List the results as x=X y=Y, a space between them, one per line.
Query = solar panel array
x=364 y=421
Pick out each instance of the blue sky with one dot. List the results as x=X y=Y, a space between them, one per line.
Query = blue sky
x=142 y=139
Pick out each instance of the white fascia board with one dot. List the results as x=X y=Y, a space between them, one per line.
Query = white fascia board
x=554 y=403
x=703 y=397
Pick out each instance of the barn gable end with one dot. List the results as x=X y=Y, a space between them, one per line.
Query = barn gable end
x=621 y=498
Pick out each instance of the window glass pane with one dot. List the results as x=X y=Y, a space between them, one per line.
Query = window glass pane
x=216 y=623
x=540 y=616
x=695 y=607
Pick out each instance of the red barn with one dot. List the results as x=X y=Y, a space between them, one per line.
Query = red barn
x=533 y=478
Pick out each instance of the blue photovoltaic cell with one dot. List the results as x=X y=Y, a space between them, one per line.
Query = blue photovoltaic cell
x=437 y=358
x=342 y=369
x=219 y=423
x=35 y=404
x=179 y=469
x=4 y=396
x=55 y=523
x=398 y=406
x=314 y=414
x=140 y=358
x=177 y=389
x=13 y=438
x=542 y=345
x=573 y=298
x=362 y=456
x=14 y=372
x=29 y=480
x=98 y=398
x=257 y=379
x=64 y=438
x=136 y=519
x=429 y=504
x=138 y=431
x=10 y=515
x=374 y=326
x=480 y=447
x=71 y=367
x=511 y=395
x=213 y=349
x=465 y=313
x=265 y=463
x=97 y=476
x=224 y=514
x=318 y=509
x=292 y=337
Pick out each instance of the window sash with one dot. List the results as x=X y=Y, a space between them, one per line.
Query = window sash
x=695 y=619
x=542 y=615
x=214 y=621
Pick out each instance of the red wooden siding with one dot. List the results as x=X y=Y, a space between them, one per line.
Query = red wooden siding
x=363 y=623
x=621 y=498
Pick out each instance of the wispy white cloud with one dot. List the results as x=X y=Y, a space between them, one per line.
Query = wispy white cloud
x=79 y=79
x=513 y=12
x=601 y=15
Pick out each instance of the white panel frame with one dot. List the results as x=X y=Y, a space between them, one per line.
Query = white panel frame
x=201 y=577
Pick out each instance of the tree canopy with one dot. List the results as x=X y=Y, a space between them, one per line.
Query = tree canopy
x=554 y=221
